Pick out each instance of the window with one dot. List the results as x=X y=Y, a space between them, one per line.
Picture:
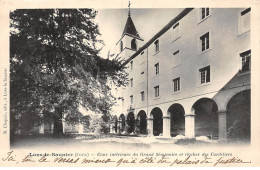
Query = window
x=131 y=65
x=204 y=42
x=133 y=44
x=176 y=32
x=131 y=82
x=156 y=67
x=245 y=56
x=176 y=58
x=245 y=20
x=121 y=46
x=156 y=91
x=156 y=46
x=204 y=75
x=131 y=99
x=142 y=96
x=204 y=13
x=176 y=84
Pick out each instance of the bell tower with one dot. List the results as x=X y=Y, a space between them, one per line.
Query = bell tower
x=130 y=40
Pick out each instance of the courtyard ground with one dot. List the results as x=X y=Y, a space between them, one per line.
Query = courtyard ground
x=112 y=141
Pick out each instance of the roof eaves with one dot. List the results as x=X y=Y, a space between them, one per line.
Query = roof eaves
x=139 y=38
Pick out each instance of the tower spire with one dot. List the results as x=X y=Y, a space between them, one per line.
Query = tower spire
x=129 y=4
x=130 y=27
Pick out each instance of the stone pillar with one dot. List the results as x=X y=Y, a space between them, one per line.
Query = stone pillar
x=136 y=126
x=167 y=126
x=222 y=125
x=41 y=129
x=126 y=129
x=120 y=122
x=190 y=125
x=81 y=128
x=64 y=124
x=113 y=127
x=52 y=127
x=119 y=126
x=150 y=126
x=110 y=128
x=122 y=125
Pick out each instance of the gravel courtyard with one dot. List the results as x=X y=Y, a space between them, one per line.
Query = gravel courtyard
x=108 y=141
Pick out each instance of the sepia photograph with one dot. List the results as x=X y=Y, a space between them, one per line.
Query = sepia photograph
x=129 y=86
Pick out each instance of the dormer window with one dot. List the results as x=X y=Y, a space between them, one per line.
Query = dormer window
x=133 y=44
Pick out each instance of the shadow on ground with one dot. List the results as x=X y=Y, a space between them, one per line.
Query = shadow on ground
x=112 y=141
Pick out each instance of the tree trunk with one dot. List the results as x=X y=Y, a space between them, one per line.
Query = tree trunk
x=58 y=127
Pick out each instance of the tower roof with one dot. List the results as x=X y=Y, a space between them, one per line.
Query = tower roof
x=162 y=31
x=130 y=28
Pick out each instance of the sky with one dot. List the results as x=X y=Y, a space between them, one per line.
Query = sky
x=148 y=21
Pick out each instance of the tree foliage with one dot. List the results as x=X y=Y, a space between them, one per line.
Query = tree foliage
x=55 y=65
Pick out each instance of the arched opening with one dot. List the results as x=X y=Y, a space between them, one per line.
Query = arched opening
x=239 y=116
x=122 y=122
x=157 y=121
x=130 y=122
x=115 y=123
x=141 y=123
x=206 y=119
x=133 y=44
x=177 y=113
x=121 y=46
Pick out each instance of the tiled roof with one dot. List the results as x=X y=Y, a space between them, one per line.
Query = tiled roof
x=130 y=28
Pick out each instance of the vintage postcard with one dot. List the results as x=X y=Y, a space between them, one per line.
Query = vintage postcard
x=129 y=83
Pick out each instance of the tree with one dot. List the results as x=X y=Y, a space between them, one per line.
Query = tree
x=55 y=66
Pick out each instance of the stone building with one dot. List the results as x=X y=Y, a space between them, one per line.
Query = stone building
x=191 y=78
